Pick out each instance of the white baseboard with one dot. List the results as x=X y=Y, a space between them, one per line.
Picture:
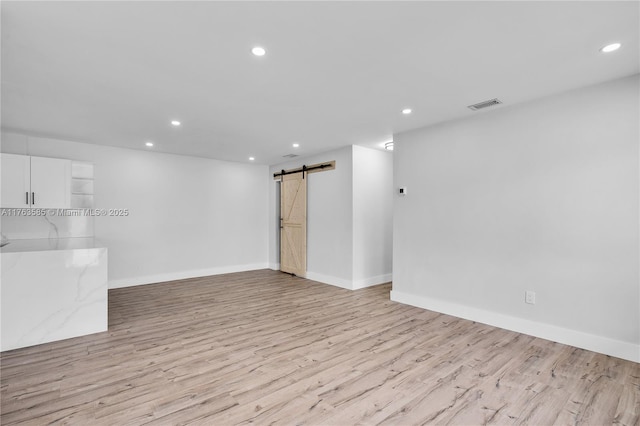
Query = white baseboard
x=274 y=266
x=328 y=279
x=371 y=281
x=348 y=284
x=592 y=342
x=181 y=275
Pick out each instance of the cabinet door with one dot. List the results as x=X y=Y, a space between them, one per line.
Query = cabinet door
x=50 y=183
x=15 y=181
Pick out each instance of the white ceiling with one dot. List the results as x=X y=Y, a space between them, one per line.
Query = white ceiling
x=335 y=73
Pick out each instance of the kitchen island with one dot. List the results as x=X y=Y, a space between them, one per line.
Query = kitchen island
x=51 y=289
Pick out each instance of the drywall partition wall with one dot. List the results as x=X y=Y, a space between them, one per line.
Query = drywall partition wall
x=372 y=216
x=188 y=216
x=540 y=196
x=329 y=218
x=349 y=217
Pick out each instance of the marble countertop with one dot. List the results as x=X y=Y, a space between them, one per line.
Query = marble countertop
x=48 y=244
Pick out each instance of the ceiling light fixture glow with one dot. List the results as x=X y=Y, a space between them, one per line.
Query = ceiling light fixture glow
x=175 y=123
x=611 y=47
x=407 y=111
x=258 y=51
x=296 y=145
x=388 y=146
x=251 y=158
x=149 y=144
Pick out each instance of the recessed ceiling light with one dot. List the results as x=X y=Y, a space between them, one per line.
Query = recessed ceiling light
x=175 y=123
x=296 y=145
x=251 y=158
x=388 y=146
x=611 y=47
x=149 y=144
x=406 y=111
x=258 y=51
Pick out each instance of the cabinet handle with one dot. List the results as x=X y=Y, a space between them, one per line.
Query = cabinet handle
x=26 y=198
x=33 y=198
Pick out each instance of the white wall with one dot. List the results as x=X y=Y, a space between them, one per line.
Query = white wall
x=372 y=216
x=329 y=218
x=349 y=217
x=189 y=216
x=541 y=196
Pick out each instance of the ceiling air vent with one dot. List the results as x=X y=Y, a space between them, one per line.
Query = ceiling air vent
x=485 y=104
x=290 y=155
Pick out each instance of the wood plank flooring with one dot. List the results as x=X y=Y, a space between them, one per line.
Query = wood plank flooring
x=266 y=348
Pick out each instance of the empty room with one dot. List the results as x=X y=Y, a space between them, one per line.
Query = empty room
x=320 y=212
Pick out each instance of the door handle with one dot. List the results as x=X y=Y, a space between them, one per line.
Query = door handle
x=26 y=198
x=33 y=198
x=281 y=223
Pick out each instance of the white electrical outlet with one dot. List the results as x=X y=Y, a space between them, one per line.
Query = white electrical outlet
x=530 y=297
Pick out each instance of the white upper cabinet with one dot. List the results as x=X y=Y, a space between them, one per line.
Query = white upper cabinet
x=16 y=189
x=35 y=182
x=50 y=183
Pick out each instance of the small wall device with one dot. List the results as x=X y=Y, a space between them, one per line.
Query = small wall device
x=402 y=190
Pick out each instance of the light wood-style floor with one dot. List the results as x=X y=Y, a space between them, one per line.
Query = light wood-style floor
x=263 y=347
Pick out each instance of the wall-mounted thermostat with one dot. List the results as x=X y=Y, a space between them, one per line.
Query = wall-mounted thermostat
x=402 y=190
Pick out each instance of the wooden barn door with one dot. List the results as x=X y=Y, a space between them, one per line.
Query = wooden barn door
x=293 y=224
